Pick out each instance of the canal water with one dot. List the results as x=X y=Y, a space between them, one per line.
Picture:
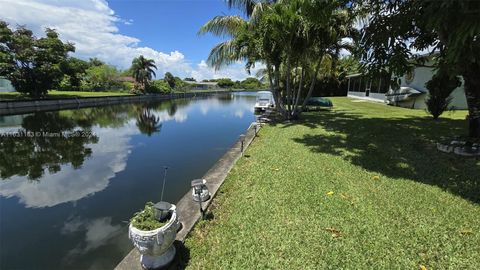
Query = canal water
x=70 y=180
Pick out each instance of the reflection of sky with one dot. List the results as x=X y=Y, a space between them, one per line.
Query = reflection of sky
x=109 y=157
x=97 y=233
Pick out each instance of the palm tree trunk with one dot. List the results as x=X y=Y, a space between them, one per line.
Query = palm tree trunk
x=300 y=89
x=472 y=93
x=289 y=96
x=312 y=85
x=277 y=95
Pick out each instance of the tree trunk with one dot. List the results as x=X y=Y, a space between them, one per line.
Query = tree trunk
x=296 y=112
x=471 y=77
x=312 y=85
x=289 y=97
x=277 y=95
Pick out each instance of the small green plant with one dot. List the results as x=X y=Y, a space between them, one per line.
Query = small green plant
x=145 y=219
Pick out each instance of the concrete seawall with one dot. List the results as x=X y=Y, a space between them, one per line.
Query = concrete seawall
x=9 y=107
x=188 y=210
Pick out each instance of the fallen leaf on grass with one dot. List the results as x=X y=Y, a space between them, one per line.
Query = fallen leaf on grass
x=466 y=232
x=376 y=177
x=335 y=233
x=347 y=198
x=422 y=267
x=330 y=193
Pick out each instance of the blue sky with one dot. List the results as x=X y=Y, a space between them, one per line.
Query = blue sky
x=116 y=31
x=168 y=25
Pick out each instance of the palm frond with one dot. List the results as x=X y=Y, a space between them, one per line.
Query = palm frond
x=223 y=26
x=246 y=6
x=223 y=54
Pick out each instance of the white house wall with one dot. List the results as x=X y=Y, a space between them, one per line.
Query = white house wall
x=421 y=77
x=6 y=86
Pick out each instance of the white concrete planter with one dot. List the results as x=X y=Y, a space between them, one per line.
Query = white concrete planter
x=156 y=245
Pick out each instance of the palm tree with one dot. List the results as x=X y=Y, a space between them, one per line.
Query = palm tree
x=142 y=70
x=291 y=38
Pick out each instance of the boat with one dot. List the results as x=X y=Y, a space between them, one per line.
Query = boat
x=402 y=95
x=319 y=102
x=264 y=101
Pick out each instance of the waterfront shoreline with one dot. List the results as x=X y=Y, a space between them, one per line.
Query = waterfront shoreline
x=12 y=107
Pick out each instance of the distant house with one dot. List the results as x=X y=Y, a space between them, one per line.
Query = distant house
x=411 y=94
x=126 y=79
x=5 y=85
x=202 y=85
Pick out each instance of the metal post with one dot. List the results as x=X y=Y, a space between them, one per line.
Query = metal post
x=199 y=192
x=164 y=178
x=242 y=141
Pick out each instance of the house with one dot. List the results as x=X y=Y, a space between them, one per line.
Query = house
x=126 y=79
x=202 y=85
x=5 y=85
x=411 y=94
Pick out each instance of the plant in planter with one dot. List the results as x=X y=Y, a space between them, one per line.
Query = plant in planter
x=153 y=231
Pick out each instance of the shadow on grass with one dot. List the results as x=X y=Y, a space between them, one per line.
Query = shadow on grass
x=397 y=148
x=182 y=256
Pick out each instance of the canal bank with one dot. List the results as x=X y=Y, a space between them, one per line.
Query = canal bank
x=188 y=211
x=12 y=107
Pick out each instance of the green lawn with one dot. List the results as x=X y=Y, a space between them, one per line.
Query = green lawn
x=64 y=94
x=358 y=187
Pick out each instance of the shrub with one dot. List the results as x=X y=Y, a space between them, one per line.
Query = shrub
x=440 y=87
x=159 y=87
x=225 y=83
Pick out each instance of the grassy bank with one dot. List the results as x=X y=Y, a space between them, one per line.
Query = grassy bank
x=359 y=187
x=63 y=94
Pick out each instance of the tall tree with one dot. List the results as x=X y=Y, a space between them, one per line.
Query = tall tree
x=32 y=64
x=143 y=71
x=451 y=28
x=170 y=79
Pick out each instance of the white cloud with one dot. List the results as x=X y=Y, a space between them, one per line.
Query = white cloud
x=91 y=25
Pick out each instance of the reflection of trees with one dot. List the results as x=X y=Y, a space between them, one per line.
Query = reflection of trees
x=147 y=122
x=225 y=99
x=60 y=137
x=108 y=116
x=47 y=141
x=172 y=110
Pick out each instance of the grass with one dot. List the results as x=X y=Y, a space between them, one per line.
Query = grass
x=63 y=94
x=358 y=187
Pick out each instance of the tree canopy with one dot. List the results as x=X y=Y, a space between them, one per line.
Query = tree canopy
x=33 y=65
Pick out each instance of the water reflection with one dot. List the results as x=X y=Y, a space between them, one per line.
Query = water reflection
x=107 y=157
x=45 y=142
x=147 y=122
x=79 y=190
x=96 y=232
